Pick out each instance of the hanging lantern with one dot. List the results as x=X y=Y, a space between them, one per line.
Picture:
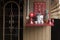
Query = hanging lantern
x=31 y=15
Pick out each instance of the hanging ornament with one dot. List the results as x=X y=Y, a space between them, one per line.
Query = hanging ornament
x=31 y=15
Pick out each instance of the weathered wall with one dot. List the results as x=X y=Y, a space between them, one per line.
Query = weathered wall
x=36 y=33
x=55 y=10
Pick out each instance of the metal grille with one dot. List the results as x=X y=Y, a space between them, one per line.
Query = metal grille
x=10 y=22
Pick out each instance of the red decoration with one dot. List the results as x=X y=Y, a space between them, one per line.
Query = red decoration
x=39 y=7
x=31 y=15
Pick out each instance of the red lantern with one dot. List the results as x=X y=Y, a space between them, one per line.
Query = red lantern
x=31 y=15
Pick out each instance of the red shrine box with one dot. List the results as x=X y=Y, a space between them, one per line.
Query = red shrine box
x=40 y=16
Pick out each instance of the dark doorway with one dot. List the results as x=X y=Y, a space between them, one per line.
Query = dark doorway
x=55 y=30
x=21 y=19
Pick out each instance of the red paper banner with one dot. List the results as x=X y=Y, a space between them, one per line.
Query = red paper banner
x=39 y=7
